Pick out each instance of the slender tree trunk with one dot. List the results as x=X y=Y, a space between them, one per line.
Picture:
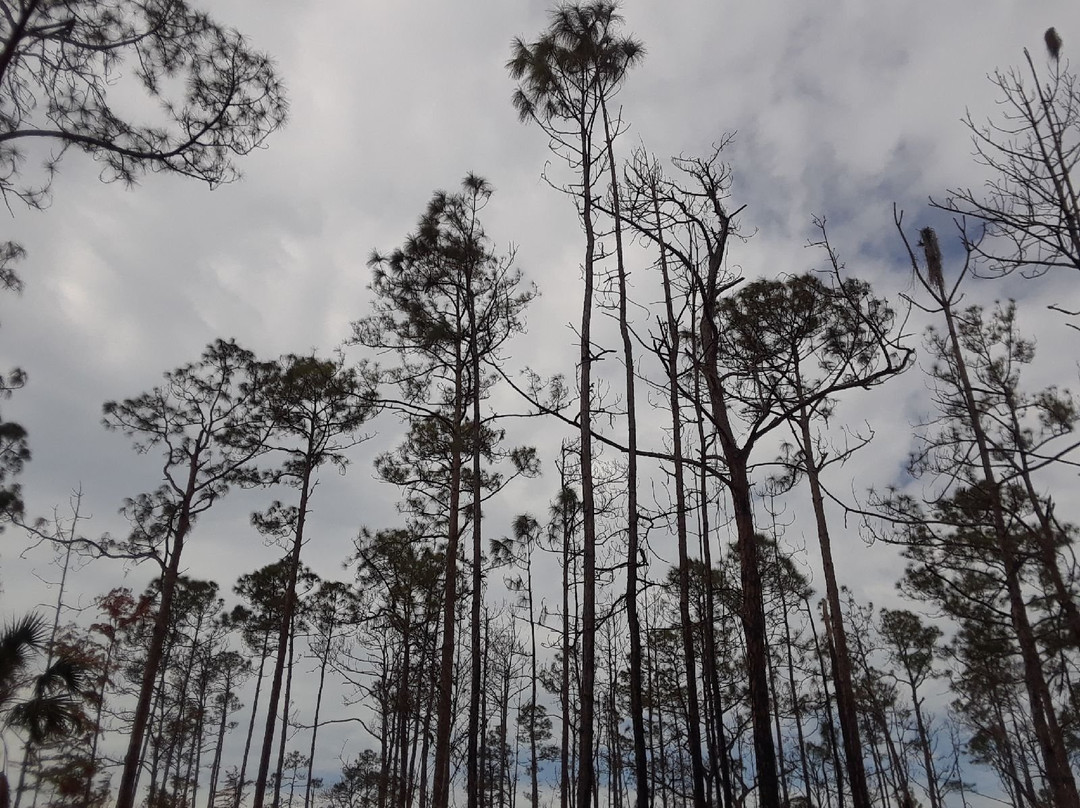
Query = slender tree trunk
x=483 y=780
x=251 y=723
x=286 y=706
x=564 y=684
x=388 y=734
x=195 y=759
x=877 y=710
x=323 y=662
x=180 y=782
x=534 y=778
x=284 y=645
x=660 y=748
x=796 y=706
x=879 y=764
x=105 y=672
x=504 y=727
x=845 y=691
x=27 y=747
x=720 y=761
x=776 y=723
x=1043 y=716
x=587 y=693
x=129 y=779
x=444 y=718
x=473 y=789
x=403 y=713
x=686 y=622
x=633 y=530
x=753 y=610
x=924 y=745
x=215 y=768
x=425 y=750
x=830 y=728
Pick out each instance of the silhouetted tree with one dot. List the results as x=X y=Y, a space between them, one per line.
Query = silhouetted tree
x=317 y=408
x=205 y=421
x=1029 y=202
x=962 y=436
x=567 y=77
x=59 y=63
x=44 y=704
x=446 y=304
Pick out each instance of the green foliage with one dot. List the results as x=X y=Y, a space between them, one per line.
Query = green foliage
x=359 y=785
x=445 y=305
x=578 y=59
x=61 y=61
x=206 y=420
x=44 y=704
x=316 y=408
x=791 y=344
x=1024 y=430
x=912 y=644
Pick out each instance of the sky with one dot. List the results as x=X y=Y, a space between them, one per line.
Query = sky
x=840 y=110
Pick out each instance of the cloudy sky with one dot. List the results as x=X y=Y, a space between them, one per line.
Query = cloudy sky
x=841 y=108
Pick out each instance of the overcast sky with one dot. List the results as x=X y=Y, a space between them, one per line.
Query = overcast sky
x=841 y=108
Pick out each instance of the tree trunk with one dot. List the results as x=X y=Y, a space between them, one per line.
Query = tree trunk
x=215 y=768
x=283 y=649
x=697 y=766
x=587 y=693
x=444 y=718
x=251 y=723
x=472 y=762
x=318 y=706
x=129 y=779
x=720 y=760
x=796 y=706
x=831 y=734
x=286 y=706
x=633 y=530
x=753 y=609
x=845 y=691
x=1044 y=719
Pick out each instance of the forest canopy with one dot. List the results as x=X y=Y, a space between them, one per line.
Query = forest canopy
x=473 y=449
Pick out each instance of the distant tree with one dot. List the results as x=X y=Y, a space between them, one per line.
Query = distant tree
x=121 y=614
x=643 y=176
x=359 y=783
x=912 y=648
x=332 y=610
x=258 y=620
x=230 y=669
x=180 y=706
x=59 y=532
x=60 y=63
x=797 y=344
x=317 y=408
x=446 y=304
x=400 y=575
x=517 y=551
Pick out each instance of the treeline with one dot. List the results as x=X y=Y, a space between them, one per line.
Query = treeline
x=719 y=679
